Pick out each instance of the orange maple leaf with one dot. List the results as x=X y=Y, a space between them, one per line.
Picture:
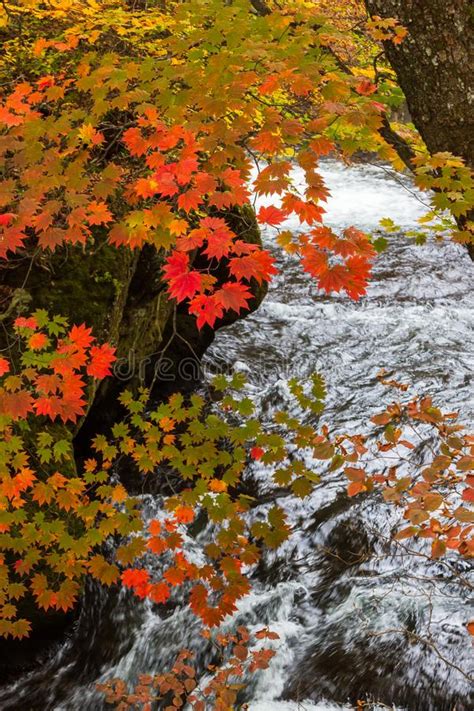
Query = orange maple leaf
x=98 y=213
x=184 y=514
x=159 y=592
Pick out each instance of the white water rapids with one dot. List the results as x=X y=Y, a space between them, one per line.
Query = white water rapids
x=357 y=616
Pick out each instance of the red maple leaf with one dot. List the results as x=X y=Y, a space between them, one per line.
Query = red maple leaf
x=185 y=285
x=232 y=178
x=207 y=309
x=155 y=160
x=138 y=580
x=45 y=406
x=222 y=199
x=361 y=242
x=219 y=242
x=166 y=183
x=333 y=278
x=176 y=264
x=358 y=269
x=257 y=452
x=193 y=239
x=81 y=336
x=313 y=260
x=307 y=211
x=135 y=142
x=182 y=283
x=4 y=366
x=240 y=247
x=258 y=265
x=6 y=218
x=184 y=170
x=205 y=183
x=234 y=296
x=190 y=200
x=170 y=137
x=67 y=358
x=323 y=237
x=271 y=215
x=70 y=408
x=102 y=358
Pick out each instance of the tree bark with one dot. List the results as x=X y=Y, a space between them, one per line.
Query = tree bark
x=434 y=68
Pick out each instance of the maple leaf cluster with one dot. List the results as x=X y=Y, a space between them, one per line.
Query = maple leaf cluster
x=192 y=443
x=339 y=263
x=237 y=659
x=189 y=189
x=183 y=436
x=182 y=170
x=426 y=497
x=48 y=556
x=52 y=382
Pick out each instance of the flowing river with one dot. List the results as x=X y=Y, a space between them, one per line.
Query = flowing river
x=358 y=616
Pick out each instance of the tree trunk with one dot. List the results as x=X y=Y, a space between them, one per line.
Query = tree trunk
x=434 y=68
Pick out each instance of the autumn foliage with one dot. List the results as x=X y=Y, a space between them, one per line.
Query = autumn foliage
x=53 y=523
x=148 y=127
x=179 y=687
x=52 y=517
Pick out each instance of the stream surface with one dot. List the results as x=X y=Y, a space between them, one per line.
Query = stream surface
x=358 y=616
